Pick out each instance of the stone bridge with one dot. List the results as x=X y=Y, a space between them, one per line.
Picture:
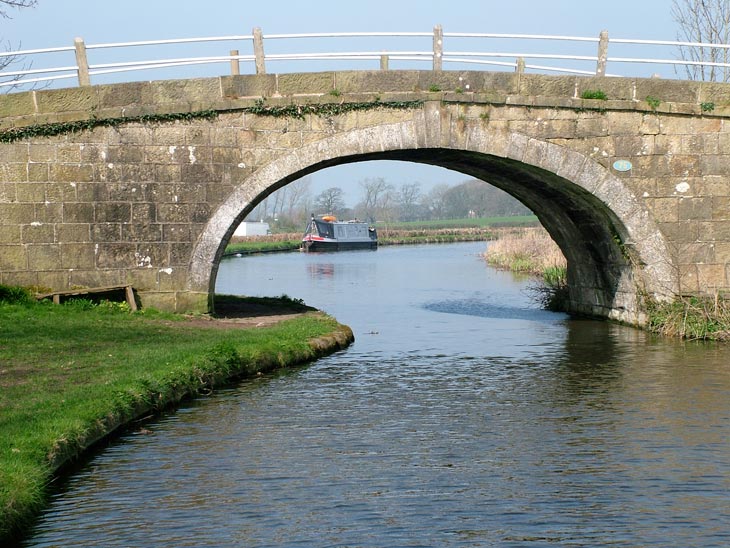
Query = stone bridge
x=143 y=184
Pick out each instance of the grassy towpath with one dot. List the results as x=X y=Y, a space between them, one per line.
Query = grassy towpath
x=72 y=374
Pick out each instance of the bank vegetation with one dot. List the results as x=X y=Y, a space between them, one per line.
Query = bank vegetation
x=530 y=250
x=402 y=233
x=691 y=317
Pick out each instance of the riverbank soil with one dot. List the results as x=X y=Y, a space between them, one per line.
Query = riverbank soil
x=72 y=374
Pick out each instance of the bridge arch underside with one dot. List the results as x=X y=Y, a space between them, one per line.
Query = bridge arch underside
x=614 y=255
x=602 y=280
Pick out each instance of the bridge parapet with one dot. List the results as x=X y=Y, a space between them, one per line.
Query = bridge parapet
x=140 y=99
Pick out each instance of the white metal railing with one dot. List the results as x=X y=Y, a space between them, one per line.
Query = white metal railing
x=576 y=59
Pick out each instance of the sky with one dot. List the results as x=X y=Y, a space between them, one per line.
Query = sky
x=56 y=23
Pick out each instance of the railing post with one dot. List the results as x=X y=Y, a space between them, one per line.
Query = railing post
x=438 y=47
x=235 y=63
x=82 y=64
x=520 y=66
x=258 y=50
x=602 y=54
x=384 y=59
x=519 y=71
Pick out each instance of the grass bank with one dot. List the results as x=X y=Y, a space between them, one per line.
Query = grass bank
x=532 y=251
x=273 y=243
x=510 y=221
x=691 y=317
x=72 y=374
x=417 y=232
x=394 y=236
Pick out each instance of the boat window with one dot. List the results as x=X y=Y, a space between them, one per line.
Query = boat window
x=326 y=230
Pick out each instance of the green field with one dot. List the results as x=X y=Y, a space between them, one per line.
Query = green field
x=483 y=222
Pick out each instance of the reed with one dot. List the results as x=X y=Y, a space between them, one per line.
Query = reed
x=532 y=251
x=528 y=250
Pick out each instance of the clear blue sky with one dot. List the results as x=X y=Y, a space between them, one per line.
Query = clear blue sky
x=56 y=22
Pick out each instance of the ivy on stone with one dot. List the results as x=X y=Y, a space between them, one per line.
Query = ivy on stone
x=260 y=108
x=59 y=128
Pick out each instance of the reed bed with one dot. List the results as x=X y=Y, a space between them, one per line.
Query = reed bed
x=529 y=250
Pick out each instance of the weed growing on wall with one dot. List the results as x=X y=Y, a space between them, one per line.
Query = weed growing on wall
x=260 y=108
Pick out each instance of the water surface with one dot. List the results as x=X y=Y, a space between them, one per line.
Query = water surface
x=461 y=416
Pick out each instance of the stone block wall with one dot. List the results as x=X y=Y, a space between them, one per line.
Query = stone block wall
x=146 y=201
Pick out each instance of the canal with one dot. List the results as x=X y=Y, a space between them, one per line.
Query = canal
x=461 y=416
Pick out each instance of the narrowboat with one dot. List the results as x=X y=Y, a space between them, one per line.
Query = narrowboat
x=329 y=234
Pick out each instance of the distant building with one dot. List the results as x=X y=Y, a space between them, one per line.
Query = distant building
x=252 y=229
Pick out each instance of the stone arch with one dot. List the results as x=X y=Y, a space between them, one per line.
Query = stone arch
x=615 y=251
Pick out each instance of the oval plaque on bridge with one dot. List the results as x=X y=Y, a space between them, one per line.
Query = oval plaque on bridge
x=622 y=165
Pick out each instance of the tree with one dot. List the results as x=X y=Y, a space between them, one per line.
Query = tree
x=704 y=22
x=409 y=198
x=5 y=59
x=287 y=208
x=433 y=202
x=476 y=198
x=16 y=4
x=376 y=195
x=330 y=201
x=297 y=193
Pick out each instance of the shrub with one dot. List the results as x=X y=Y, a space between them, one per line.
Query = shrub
x=594 y=94
x=10 y=294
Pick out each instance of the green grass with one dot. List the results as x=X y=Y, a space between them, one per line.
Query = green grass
x=594 y=94
x=690 y=317
x=250 y=247
x=479 y=222
x=69 y=374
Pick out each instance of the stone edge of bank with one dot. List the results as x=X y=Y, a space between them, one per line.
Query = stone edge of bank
x=154 y=403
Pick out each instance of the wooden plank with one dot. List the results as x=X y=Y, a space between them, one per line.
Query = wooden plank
x=128 y=293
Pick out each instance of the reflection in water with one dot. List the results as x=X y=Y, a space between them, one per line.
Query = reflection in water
x=478 y=307
x=321 y=270
x=458 y=418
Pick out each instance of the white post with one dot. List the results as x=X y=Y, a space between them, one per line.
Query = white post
x=258 y=50
x=438 y=47
x=82 y=64
x=235 y=63
x=602 y=54
x=520 y=65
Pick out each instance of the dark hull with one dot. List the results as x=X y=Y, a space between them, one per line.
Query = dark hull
x=338 y=246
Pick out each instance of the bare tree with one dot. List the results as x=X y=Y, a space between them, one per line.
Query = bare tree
x=376 y=193
x=16 y=4
x=704 y=22
x=330 y=200
x=433 y=202
x=8 y=58
x=409 y=198
x=298 y=193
